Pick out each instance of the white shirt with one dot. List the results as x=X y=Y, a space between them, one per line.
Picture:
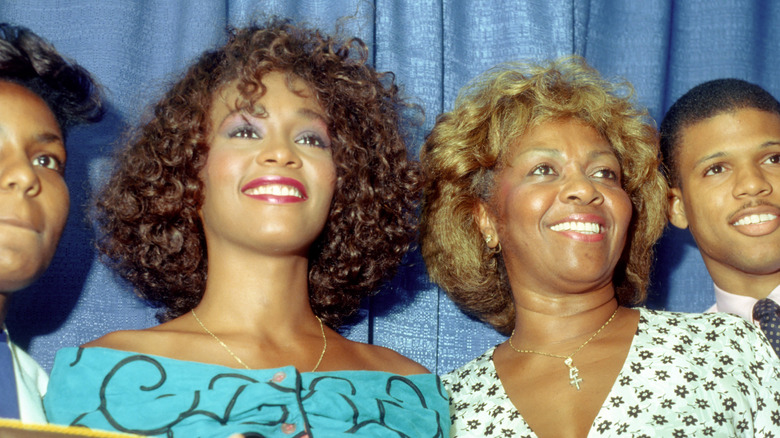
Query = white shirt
x=739 y=305
x=31 y=381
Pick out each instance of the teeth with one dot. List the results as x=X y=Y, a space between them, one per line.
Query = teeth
x=580 y=227
x=275 y=190
x=755 y=219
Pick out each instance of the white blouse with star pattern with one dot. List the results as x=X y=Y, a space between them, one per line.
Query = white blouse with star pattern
x=685 y=375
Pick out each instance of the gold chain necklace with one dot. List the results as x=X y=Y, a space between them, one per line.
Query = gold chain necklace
x=238 y=359
x=574 y=373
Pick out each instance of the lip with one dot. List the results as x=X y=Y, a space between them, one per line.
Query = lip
x=756 y=229
x=18 y=222
x=578 y=235
x=276 y=180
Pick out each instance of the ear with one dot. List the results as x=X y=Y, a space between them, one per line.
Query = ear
x=677 y=209
x=486 y=225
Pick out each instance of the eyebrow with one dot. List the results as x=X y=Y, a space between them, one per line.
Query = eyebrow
x=259 y=110
x=44 y=137
x=48 y=137
x=556 y=152
x=721 y=154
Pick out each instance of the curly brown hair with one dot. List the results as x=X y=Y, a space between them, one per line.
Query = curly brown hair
x=469 y=144
x=147 y=214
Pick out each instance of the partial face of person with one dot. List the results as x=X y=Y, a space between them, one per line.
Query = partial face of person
x=34 y=199
x=728 y=166
x=558 y=209
x=270 y=176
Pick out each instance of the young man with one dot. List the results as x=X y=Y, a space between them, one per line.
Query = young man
x=721 y=145
x=41 y=96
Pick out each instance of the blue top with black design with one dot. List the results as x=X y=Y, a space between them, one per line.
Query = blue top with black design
x=135 y=393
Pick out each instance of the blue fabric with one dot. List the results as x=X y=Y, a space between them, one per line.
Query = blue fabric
x=149 y=395
x=434 y=46
x=9 y=403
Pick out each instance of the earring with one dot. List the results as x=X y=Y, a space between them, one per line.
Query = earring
x=488 y=239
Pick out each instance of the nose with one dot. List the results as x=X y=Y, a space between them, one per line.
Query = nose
x=17 y=173
x=751 y=181
x=578 y=188
x=279 y=152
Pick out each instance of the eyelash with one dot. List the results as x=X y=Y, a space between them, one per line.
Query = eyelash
x=775 y=157
x=711 y=170
x=313 y=140
x=612 y=174
x=249 y=132
x=549 y=170
x=245 y=132
x=58 y=165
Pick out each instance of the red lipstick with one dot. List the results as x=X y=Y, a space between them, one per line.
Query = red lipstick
x=275 y=189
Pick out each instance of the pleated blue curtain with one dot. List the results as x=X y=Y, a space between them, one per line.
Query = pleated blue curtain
x=136 y=49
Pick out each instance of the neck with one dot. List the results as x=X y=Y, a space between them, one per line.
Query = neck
x=558 y=324
x=260 y=293
x=757 y=286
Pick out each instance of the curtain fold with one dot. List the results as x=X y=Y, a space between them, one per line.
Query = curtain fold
x=434 y=47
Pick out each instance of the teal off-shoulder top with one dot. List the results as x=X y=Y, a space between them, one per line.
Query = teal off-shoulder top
x=121 y=391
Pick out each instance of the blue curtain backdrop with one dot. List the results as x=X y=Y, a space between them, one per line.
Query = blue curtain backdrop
x=136 y=48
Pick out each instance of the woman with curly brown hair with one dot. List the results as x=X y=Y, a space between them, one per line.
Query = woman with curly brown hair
x=542 y=204
x=269 y=193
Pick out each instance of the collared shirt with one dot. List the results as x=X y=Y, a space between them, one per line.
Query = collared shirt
x=31 y=381
x=739 y=305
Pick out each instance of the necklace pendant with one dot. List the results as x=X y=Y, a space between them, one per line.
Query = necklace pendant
x=574 y=373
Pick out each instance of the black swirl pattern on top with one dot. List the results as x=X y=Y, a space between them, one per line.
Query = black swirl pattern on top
x=155 y=396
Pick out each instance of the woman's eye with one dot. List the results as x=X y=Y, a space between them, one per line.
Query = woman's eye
x=48 y=162
x=247 y=132
x=312 y=140
x=606 y=174
x=543 y=170
x=715 y=169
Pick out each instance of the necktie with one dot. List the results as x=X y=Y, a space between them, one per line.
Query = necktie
x=766 y=313
x=9 y=406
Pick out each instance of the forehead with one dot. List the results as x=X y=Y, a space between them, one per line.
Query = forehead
x=732 y=133
x=16 y=99
x=562 y=136
x=277 y=86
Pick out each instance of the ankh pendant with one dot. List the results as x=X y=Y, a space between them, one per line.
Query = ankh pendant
x=574 y=373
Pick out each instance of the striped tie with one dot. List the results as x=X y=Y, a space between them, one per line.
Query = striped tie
x=766 y=313
x=9 y=405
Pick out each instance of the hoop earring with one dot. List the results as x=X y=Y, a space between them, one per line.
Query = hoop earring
x=497 y=249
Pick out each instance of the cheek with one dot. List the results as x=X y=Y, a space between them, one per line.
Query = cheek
x=56 y=204
x=220 y=169
x=325 y=174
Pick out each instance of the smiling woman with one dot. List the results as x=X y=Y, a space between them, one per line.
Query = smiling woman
x=270 y=192
x=542 y=203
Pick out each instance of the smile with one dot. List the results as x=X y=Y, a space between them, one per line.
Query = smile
x=579 y=227
x=275 y=190
x=755 y=219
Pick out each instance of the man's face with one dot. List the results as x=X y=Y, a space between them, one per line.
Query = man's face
x=728 y=168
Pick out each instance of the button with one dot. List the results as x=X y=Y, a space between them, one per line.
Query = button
x=278 y=377
x=288 y=428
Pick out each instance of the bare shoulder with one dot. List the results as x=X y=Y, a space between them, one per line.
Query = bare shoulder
x=152 y=340
x=119 y=340
x=379 y=358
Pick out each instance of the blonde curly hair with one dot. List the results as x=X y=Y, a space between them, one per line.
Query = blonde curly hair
x=467 y=147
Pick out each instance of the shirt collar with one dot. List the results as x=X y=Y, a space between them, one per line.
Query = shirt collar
x=740 y=305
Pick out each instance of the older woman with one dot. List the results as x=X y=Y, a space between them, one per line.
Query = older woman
x=268 y=194
x=543 y=202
